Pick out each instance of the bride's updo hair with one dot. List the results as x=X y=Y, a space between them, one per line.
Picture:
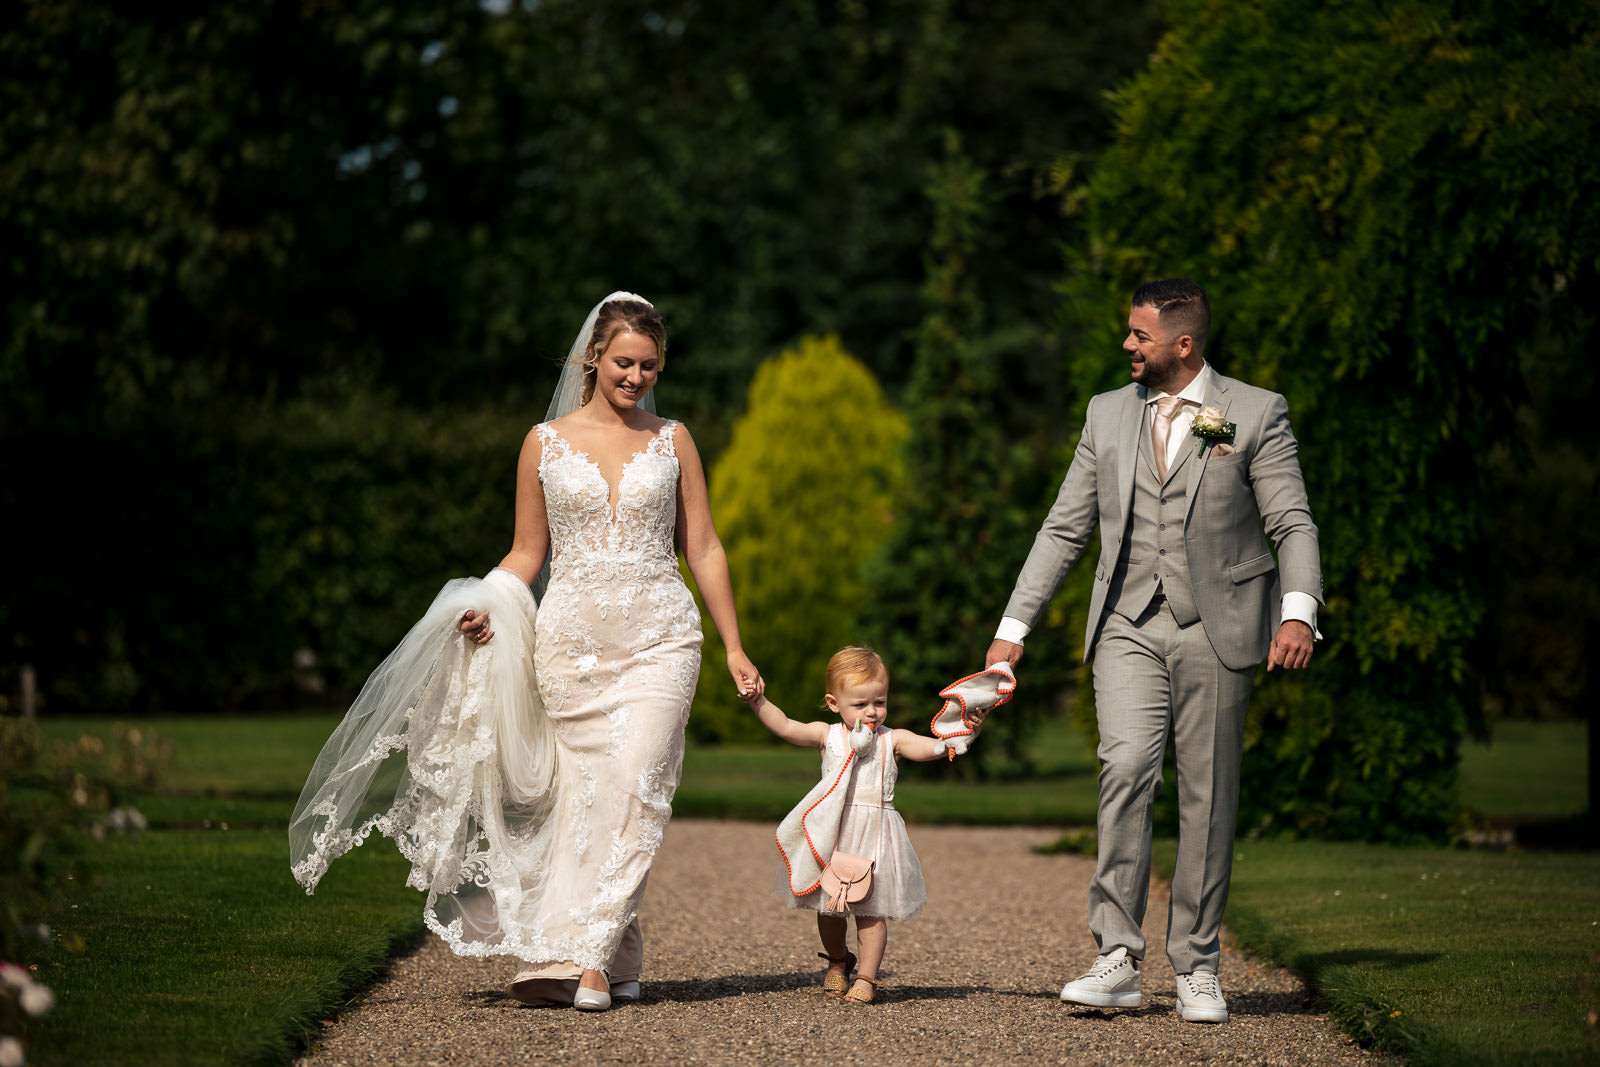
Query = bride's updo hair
x=850 y=666
x=617 y=317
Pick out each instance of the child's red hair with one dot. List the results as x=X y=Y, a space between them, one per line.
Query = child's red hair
x=858 y=663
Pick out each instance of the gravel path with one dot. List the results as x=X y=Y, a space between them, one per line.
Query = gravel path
x=731 y=976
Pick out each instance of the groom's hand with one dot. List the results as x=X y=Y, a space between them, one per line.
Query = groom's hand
x=1009 y=651
x=1291 y=646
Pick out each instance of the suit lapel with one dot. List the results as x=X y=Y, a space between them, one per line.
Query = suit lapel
x=1182 y=458
x=1216 y=396
x=1128 y=454
x=1147 y=449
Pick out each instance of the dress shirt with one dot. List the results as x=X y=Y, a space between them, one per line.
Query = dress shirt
x=1193 y=396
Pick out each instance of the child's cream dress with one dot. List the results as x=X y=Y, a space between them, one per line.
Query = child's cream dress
x=898 y=891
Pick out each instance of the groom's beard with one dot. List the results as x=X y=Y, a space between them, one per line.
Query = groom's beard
x=1159 y=373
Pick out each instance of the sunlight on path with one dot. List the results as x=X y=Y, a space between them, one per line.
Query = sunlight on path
x=731 y=975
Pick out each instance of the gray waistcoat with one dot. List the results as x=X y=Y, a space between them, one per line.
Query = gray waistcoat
x=1153 y=554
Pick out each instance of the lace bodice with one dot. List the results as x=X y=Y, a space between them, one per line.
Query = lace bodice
x=585 y=532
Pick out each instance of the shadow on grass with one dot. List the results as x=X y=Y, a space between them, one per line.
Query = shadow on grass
x=302 y=1028
x=1317 y=963
x=1343 y=984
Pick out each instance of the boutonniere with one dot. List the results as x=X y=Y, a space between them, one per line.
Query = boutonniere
x=1211 y=427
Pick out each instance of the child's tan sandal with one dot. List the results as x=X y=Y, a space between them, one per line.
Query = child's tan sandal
x=835 y=984
x=873 y=985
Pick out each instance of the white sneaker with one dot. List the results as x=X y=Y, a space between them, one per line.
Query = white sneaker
x=1200 y=998
x=1113 y=982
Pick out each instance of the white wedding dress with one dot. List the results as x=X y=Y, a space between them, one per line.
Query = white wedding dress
x=529 y=781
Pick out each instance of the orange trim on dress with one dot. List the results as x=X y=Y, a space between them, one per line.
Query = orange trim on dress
x=849 y=758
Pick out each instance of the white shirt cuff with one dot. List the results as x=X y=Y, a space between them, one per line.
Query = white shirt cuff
x=1014 y=630
x=1302 y=607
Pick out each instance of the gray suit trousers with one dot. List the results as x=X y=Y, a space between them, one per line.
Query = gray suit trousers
x=1153 y=677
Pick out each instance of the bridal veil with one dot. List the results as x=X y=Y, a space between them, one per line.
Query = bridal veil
x=448 y=751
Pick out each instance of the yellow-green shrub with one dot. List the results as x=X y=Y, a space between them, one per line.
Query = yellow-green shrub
x=801 y=499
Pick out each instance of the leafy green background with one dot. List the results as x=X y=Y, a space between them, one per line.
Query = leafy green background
x=283 y=286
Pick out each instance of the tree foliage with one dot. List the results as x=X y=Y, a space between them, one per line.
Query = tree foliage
x=801 y=498
x=263 y=197
x=961 y=522
x=1386 y=202
x=235 y=547
x=213 y=212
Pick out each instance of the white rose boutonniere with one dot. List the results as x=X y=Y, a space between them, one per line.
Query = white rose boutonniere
x=1211 y=427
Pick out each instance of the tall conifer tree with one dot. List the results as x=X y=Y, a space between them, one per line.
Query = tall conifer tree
x=942 y=579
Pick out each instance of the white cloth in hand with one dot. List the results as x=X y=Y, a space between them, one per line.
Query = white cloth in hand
x=967 y=702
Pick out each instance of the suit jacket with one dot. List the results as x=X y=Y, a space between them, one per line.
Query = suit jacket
x=1237 y=503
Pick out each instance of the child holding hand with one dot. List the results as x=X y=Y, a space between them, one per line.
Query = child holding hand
x=858 y=776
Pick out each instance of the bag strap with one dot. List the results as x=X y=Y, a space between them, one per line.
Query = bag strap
x=883 y=759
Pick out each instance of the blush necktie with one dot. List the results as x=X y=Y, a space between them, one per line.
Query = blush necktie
x=1167 y=409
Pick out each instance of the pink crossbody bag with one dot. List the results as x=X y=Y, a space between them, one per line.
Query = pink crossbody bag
x=847 y=879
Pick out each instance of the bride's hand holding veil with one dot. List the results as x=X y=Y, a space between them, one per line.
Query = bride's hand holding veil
x=476 y=626
x=458 y=757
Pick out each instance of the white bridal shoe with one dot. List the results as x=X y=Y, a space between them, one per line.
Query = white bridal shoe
x=537 y=991
x=591 y=1000
x=1113 y=982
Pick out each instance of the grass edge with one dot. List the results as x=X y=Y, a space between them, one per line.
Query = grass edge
x=1352 y=1000
x=307 y=1012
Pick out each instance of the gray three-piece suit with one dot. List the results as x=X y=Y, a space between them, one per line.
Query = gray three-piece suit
x=1186 y=600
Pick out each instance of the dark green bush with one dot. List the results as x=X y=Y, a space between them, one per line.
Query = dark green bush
x=970 y=501
x=204 y=555
x=1387 y=201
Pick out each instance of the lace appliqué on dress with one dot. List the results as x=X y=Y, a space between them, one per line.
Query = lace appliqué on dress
x=546 y=862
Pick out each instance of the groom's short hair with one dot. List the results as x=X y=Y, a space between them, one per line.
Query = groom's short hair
x=1181 y=304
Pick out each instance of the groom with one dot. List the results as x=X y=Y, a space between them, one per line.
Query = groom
x=1189 y=475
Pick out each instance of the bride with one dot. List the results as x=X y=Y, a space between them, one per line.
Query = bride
x=523 y=755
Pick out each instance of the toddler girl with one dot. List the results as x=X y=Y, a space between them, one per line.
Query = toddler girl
x=858 y=691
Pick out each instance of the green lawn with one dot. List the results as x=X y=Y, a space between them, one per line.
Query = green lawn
x=1486 y=959
x=1530 y=770
x=1448 y=956
x=198 y=946
x=200 y=949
